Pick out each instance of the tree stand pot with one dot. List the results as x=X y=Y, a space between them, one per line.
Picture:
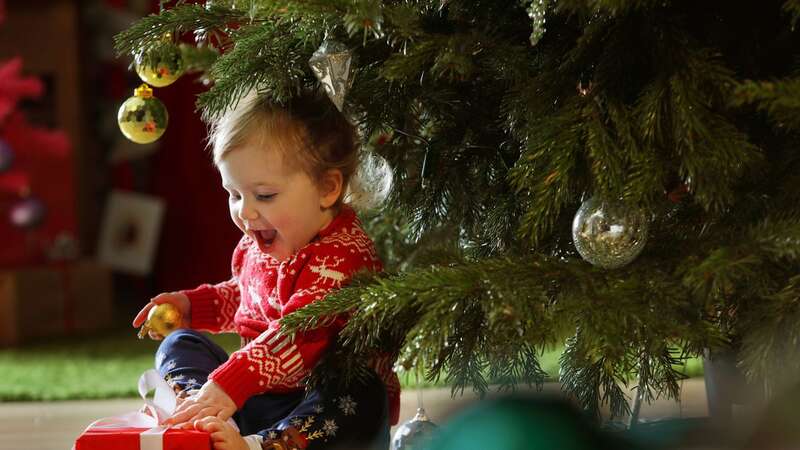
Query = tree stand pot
x=726 y=386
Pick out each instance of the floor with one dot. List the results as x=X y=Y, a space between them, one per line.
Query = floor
x=54 y=426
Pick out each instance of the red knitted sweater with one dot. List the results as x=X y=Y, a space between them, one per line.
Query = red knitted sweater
x=263 y=290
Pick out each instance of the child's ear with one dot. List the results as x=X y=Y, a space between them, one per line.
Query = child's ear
x=331 y=186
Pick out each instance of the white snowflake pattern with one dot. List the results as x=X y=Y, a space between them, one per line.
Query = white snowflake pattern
x=272 y=435
x=171 y=365
x=330 y=427
x=347 y=405
x=191 y=381
x=296 y=422
x=172 y=380
x=319 y=409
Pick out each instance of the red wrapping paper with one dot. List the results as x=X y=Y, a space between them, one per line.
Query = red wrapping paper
x=129 y=439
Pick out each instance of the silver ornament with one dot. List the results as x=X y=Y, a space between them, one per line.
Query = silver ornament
x=414 y=434
x=372 y=182
x=609 y=234
x=331 y=64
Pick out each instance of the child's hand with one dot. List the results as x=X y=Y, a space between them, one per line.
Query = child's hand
x=211 y=400
x=145 y=410
x=178 y=299
x=223 y=435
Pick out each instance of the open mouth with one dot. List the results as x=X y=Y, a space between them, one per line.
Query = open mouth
x=264 y=238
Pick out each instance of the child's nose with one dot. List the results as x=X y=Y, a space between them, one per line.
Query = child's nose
x=248 y=213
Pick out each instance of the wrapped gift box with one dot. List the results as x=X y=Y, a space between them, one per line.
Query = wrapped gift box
x=140 y=431
x=142 y=439
x=65 y=298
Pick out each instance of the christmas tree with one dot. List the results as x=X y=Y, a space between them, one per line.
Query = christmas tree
x=499 y=119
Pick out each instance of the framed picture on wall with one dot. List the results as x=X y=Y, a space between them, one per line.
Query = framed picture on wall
x=130 y=231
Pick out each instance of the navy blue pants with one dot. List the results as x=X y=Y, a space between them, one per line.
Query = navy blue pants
x=355 y=417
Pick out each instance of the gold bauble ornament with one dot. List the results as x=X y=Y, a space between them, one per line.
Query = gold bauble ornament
x=142 y=118
x=163 y=319
x=166 y=64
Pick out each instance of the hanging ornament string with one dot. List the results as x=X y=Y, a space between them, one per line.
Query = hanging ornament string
x=423 y=179
x=419 y=393
x=417 y=432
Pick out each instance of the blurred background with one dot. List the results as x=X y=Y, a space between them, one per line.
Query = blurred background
x=92 y=225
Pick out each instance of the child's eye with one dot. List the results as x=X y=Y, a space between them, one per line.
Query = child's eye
x=233 y=197
x=264 y=197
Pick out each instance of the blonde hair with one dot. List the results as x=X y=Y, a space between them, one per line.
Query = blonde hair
x=311 y=134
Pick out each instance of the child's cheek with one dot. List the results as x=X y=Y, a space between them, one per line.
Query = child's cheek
x=235 y=219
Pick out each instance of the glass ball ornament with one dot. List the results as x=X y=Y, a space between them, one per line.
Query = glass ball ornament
x=6 y=156
x=28 y=213
x=414 y=434
x=372 y=183
x=162 y=319
x=142 y=118
x=165 y=67
x=609 y=233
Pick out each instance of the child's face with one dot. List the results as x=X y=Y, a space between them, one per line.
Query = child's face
x=279 y=207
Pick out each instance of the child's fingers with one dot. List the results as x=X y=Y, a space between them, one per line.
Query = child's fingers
x=157 y=300
x=183 y=413
x=224 y=442
x=219 y=436
x=220 y=445
x=184 y=426
x=210 y=424
x=224 y=415
x=154 y=336
x=142 y=316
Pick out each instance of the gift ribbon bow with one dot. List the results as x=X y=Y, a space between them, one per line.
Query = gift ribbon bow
x=161 y=406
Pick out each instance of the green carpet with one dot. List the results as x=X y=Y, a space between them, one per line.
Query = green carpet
x=109 y=366
x=106 y=366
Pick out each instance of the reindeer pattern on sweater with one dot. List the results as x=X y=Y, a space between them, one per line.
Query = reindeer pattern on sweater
x=262 y=290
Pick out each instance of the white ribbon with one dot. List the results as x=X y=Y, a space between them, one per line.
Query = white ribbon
x=161 y=406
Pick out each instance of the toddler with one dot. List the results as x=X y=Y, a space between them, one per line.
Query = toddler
x=286 y=171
